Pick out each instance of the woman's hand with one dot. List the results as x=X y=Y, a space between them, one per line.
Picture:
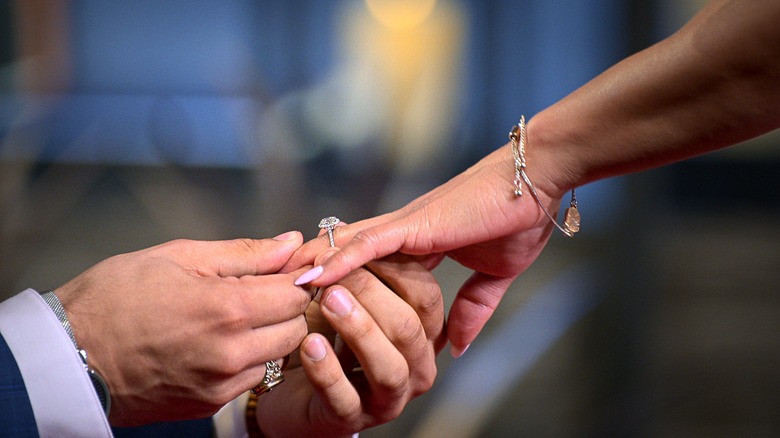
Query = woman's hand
x=390 y=318
x=474 y=218
x=180 y=329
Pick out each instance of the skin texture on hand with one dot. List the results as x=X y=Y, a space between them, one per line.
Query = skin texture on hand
x=180 y=329
x=495 y=234
x=712 y=84
x=390 y=320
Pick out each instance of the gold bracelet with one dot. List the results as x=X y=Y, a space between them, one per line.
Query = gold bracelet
x=252 y=427
x=571 y=221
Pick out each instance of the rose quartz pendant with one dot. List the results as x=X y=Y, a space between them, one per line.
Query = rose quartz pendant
x=571 y=220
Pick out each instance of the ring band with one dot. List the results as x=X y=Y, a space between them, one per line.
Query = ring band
x=273 y=376
x=328 y=224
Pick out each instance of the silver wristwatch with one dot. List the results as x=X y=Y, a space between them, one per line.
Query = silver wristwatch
x=97 y=381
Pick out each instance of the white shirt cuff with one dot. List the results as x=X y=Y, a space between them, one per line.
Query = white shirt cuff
x=230 y=421
x=61 y=394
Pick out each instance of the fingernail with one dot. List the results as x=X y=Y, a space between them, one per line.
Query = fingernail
x=315 y=349
x=290 y=235
x=457 y=352
x=309 y=275
x=338 y=302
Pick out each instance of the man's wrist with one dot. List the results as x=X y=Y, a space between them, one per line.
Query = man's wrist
x=97 y=381
x=63 y=400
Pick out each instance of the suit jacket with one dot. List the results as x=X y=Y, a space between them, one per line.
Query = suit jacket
x=16 y=414
x=18 y=421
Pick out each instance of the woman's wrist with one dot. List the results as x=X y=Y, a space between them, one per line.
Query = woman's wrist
x=518 y=140
x=552 y=161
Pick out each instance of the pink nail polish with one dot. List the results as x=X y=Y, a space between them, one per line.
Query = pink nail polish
x=456 y=352
x=308 y=276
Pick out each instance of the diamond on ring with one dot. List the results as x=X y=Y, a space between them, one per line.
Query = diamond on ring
x=273 y=376
x=328 y=224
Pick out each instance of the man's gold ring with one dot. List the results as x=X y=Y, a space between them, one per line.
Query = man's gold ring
x=273 y=377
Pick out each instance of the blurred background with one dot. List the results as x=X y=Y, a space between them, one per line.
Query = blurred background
x=126 y=124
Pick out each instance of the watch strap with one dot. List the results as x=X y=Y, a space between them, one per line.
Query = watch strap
x=101 y=388
x=56 y=306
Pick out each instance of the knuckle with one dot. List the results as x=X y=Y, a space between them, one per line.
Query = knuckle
x=245 y=244
x=361 y=330
x=177 y=244
x=432 y=303
x=366 y=239
x=425 y=379
x=387 y=415
x=388 y=409
x=351 y=410
x=408 y=330
x=358 y=281
x=227 y=361
x=290 y=338
x=293 y=297
x=299 y=331
x=231 y=314
x=350 y=413
x=394 y=385
x=363 y=237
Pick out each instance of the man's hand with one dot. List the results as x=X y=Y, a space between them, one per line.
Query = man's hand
x=180 y=329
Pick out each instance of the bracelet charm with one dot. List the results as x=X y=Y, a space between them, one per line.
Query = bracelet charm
x=571 y=219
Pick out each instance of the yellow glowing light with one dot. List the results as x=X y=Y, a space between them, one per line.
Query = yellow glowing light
x=400 y=14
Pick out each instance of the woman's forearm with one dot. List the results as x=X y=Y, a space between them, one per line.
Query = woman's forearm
x=714 y=83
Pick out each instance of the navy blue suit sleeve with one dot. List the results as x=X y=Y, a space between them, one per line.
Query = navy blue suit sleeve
x=16 y=414
x=203 y=428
